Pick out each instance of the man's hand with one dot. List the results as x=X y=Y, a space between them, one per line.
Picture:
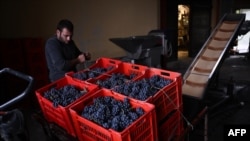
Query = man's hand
x=87 y=55
x=81 y=58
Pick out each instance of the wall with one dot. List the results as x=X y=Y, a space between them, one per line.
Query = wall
x=214 y=13
x=95 y=21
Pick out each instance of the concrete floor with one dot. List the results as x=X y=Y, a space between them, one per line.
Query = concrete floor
x=236 y=67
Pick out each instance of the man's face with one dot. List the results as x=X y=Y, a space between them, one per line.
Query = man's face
x=64 y=36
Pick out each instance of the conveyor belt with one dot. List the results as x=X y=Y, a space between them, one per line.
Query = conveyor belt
x=210 y=56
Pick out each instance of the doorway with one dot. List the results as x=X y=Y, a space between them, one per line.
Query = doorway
x=243 y=40
x=183 y=30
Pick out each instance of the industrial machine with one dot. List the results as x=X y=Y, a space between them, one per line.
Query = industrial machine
x=146 y=50
x=211 y=55
x=205 y=69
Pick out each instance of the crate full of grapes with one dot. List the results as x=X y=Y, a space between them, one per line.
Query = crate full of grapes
x=56 y=98
x=100 y=67
x=109 y=116
x=124 y=73
x=159 y=87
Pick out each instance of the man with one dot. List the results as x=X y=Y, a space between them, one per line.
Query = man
x=62 y=55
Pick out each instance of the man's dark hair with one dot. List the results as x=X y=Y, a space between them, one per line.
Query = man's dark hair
x=65 y=24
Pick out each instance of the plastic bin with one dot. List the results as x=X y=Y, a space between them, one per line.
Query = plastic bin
x=167 y=98
x=60 y=115
x=127 y=69
x=106 y=63
x=143 y=129
x=170 y=96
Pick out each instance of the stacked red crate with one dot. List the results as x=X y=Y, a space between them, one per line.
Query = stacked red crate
x=143 y=129
x=166 y=100
x=60 y=115
x=167 y=103
x=130 y=70
x=104 y=63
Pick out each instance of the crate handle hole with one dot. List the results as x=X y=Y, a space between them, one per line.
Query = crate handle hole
x=111 y=61
x=135 y=67
x=165 y=73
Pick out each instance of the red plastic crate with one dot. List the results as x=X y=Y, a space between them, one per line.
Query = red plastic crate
x=60 y=115
x=106 y=62
x=124 y=68
x=100 y=63
x=171 y=127
x=143 y=129
x=167 y=98
x=129 y=68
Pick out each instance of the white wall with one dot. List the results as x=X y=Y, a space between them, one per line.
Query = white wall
x=95 y=21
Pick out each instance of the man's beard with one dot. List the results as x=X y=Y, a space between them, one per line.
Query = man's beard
x=62 y=40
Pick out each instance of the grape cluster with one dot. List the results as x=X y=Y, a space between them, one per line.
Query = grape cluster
x=115 y=79
x=111 y=113
x=84 y=75
x=64 y=95
x=144 y=88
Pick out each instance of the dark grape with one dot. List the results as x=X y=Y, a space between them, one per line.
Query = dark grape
x=144 y=88
x=111 y=113
x=63 y=96
x=92 y=73
x=115 y=79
